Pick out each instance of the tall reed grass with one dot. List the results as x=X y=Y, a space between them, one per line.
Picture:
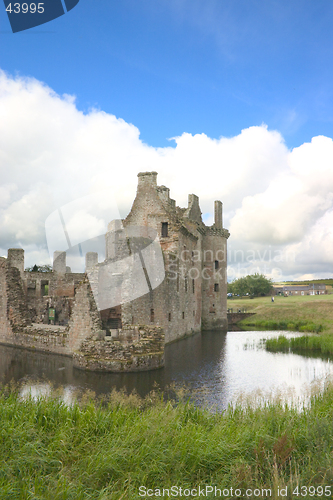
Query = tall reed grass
x=322 y=344
x=108 y=449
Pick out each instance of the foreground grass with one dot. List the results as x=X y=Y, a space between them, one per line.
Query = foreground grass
x=107 y=451
x=312 y=313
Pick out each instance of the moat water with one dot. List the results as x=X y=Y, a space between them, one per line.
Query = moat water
x=216 y=369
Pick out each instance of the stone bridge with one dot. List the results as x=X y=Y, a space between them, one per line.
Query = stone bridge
x=236 y=317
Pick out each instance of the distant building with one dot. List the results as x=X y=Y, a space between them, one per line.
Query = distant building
x=311 y=289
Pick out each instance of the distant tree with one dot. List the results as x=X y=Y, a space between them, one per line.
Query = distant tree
x=39 y=269
x=258 y=284
x=253 y=285
x=241 y=286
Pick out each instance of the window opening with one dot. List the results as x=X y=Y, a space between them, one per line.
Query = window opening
x=44 y=286
x=164 y=229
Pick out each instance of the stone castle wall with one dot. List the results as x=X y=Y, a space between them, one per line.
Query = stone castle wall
x=193 y=295
x=214 y=284
x=126 y=289
x=135 y=348
x=83 y=338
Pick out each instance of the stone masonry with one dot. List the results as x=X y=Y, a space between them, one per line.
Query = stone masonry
x=193 y=296
x=120 y=313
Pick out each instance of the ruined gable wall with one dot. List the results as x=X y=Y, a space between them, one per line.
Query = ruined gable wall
x=173 y=304
x=85 y=321
x=147 y=204
x=17 y=310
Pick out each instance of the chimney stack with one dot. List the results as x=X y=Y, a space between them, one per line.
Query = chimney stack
x=147 y=180
x=218 y=214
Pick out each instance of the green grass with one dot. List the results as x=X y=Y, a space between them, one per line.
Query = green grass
x=322 y=344
x=301 y=326
x=107 y=451
x=304 y=313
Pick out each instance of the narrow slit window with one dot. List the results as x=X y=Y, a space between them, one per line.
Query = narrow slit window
x=152 y=315
x=216 y=264
x=193 y=286
x=216 y=287
x=169 y=316
x=183 y=315
x=164 y=229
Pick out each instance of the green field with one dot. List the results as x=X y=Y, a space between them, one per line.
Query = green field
x=107 y=451
x=308 y=313
x=308 y=309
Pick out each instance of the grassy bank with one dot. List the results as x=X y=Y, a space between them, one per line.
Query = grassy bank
x=311 y=313
x=89 y=451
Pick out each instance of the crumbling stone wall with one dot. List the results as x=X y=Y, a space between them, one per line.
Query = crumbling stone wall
x=5 y=326
x=16 y=306
x=193 y=295
x=135 y=348
x=60 y=294
x=48 y=338
x=130 y=349
x=85 y=322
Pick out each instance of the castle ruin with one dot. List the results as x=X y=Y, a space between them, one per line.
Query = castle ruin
x=163 y=277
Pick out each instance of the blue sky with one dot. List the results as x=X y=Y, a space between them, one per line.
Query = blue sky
x=244 y=87
x=174 y=66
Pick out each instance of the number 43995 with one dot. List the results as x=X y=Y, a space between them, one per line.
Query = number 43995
x=32 y=8
x=312 y=491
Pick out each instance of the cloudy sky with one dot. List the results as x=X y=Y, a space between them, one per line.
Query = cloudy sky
x=227 y=99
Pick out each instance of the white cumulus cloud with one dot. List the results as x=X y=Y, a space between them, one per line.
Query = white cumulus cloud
x=51 y=154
